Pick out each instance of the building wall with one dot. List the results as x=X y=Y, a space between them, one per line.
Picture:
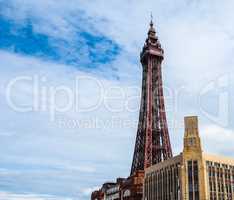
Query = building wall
x=162 y=181
x=171 y=179
x=123 y=189
x=132 y=187
x=113 y=193
x=220 y=176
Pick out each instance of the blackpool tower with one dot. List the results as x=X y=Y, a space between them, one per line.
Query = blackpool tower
x=152 y=141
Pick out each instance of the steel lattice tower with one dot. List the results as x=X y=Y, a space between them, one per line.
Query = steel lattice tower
x=152 y=141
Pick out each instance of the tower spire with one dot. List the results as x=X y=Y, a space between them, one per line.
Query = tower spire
x=151 y=19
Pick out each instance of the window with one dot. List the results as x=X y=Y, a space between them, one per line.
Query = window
x=196 y=179
x=190 y=179
x=193 y=180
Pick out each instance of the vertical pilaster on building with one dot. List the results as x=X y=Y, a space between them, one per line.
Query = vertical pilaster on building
x=193 y=167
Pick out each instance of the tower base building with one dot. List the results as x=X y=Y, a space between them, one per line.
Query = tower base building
x=192 y=175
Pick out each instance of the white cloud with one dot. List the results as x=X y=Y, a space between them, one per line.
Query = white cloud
x=218 y=140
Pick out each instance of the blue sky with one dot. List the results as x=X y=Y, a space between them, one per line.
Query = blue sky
x=84 y=49
x=83 y=56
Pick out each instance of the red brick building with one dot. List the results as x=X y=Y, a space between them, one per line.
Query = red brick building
x=132 y=187
x=123 y=189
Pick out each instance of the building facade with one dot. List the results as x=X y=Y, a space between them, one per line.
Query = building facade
x=109 y=191
x=101 y=193
x=123 y=189
x=132 y=187
x=192 y=175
